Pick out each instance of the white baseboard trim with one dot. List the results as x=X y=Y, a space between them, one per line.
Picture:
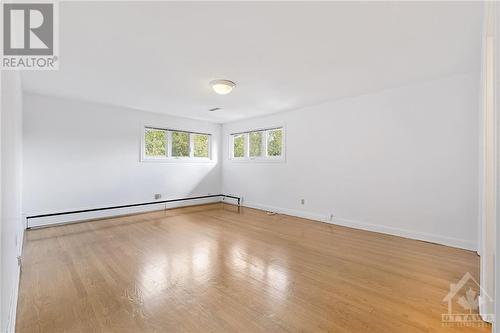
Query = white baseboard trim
x=11 y=320
x=438 y=239
x=286 y=211
x=81 y=217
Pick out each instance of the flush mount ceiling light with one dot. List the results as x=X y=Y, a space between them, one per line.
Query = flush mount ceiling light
x=222 y=87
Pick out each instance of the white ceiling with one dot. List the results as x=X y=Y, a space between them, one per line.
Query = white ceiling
x=160 y=56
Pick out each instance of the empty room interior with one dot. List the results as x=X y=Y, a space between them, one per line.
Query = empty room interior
x=249 y=166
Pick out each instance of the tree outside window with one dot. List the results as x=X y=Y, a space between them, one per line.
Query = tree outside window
x=239 y=146
x=274 y=142
x=255 y=144
x=180 y=144
x=155 y=143
x=200 y=142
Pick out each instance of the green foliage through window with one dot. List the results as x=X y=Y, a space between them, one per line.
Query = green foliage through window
x=255 y=144
x=260 y=144
x=155 y=143
x=239 y=145
x=180 y=144
x=161 y=144
x=274 y=142
x=200 y=142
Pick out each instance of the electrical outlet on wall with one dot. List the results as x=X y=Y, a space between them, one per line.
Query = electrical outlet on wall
x=330 y=217
x=157 y=196
x=302 y=201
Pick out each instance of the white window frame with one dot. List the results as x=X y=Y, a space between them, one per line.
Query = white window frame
x=169 y=158
x=191 y=146
x=245 y=146
x=143 y=148
x=263 y=147
x=264 y=158
x=278 y=158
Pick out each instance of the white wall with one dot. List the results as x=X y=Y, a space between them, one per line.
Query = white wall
x=11 y=224
x=487 y=165
x=80 y=155
x=401 y=161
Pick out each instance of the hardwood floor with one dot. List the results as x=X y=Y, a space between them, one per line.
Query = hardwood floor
x=213 y=269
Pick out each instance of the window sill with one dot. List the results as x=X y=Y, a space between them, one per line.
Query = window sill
x=257 y=160
x=186 y=160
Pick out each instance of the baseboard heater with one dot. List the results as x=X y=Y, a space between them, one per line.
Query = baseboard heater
x=130 y=205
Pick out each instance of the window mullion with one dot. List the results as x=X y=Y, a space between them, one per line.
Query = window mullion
x=265 y=143
x=210 y=147
x=169 y=143
x=262 y=144
x=231 y=147
x=247 y=145
x=191 y=145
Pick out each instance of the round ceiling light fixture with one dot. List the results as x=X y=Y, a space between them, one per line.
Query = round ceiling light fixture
x=222 y=87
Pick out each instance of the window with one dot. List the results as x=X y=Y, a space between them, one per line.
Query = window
x=180 y=144
x=238 y=146
x=163 y=144
x=258 y=145
x=155 y=143
x=274 y=142
x=200 y=145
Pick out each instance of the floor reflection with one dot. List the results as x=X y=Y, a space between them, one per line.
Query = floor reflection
x=154 y=277
x=194 y=267
x=275 y=277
